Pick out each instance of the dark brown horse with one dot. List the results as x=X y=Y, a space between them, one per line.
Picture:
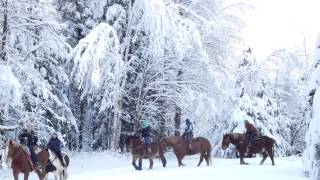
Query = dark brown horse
x=262 y=144
x=199 y=145
x=21 y=163
x=138 y=151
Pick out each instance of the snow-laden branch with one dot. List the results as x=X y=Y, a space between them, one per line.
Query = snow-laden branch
x=8 y=128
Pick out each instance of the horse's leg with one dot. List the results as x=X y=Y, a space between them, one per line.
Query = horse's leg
x=134 y=158
x=182 y=156
x=201 y=159
x=151 y=163
x=65 y=173
x=15 y=175
x=163 y=159
x=140 y=163
x=179 y=157
x=207 y=158
x=61 y=175
x=241 y=153
x=26 y=175
x=270 y=152
x=56 y=174
x=265 y=155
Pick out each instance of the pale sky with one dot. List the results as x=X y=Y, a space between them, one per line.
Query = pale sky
x=274 y=24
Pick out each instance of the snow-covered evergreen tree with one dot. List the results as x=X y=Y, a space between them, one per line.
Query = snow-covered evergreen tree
x=35 y=55
x=312 y=151
x=97 y=71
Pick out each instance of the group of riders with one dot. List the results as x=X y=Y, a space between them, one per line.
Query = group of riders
x=29 y=140
x=250 y=135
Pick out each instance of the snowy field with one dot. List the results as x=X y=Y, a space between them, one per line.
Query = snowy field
x=106 y=166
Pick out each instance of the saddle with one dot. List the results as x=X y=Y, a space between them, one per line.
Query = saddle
x=37 y=150
x=255 y=138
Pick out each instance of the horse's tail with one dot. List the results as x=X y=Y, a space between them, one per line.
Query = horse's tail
x=209 y=154
x=274 y=144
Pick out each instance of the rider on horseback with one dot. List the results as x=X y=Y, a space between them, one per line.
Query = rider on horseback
x=188 y=133
x=251 y=132
x=28 y=138
x=54 y=145
x=146 y=134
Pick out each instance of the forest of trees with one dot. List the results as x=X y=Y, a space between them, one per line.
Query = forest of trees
x=94 y=69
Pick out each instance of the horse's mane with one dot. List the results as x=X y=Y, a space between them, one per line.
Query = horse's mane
x=14 y=144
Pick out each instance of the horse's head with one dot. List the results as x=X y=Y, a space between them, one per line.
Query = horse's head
x=10 y=150
x=225 y=141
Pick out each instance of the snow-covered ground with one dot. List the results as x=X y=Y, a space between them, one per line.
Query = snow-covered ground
x=108 y=165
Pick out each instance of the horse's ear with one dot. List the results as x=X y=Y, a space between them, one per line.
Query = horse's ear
x=10 y=142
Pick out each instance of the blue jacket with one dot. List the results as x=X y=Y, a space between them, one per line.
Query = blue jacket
x=188 y=130
x=145 y=132
x=54 y=144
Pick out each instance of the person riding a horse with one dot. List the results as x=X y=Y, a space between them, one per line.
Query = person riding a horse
x=251 y=132
x=146 y=134
x=29 y=139
x=54 y=145
x=188 y=133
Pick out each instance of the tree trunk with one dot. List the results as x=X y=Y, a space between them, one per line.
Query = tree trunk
x=177 y=121
x=3 y=54
x=82 y=106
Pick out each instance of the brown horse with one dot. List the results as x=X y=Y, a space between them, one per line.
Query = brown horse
x=21 y=163
x=262 y=144
x=199 y=145
x=138 y=151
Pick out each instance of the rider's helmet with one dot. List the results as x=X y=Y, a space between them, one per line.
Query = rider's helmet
x=55 y=134
x=188 y=121
x=246 y=121
x=145 y=123
x=29 y=127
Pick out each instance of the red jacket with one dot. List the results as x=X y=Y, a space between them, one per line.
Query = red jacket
x=250 y=129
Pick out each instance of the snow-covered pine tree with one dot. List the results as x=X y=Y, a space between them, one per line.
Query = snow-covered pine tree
x=35 y=54
x=288 y=90
x=312 y=151
x=254 y=102
x=97 y=71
